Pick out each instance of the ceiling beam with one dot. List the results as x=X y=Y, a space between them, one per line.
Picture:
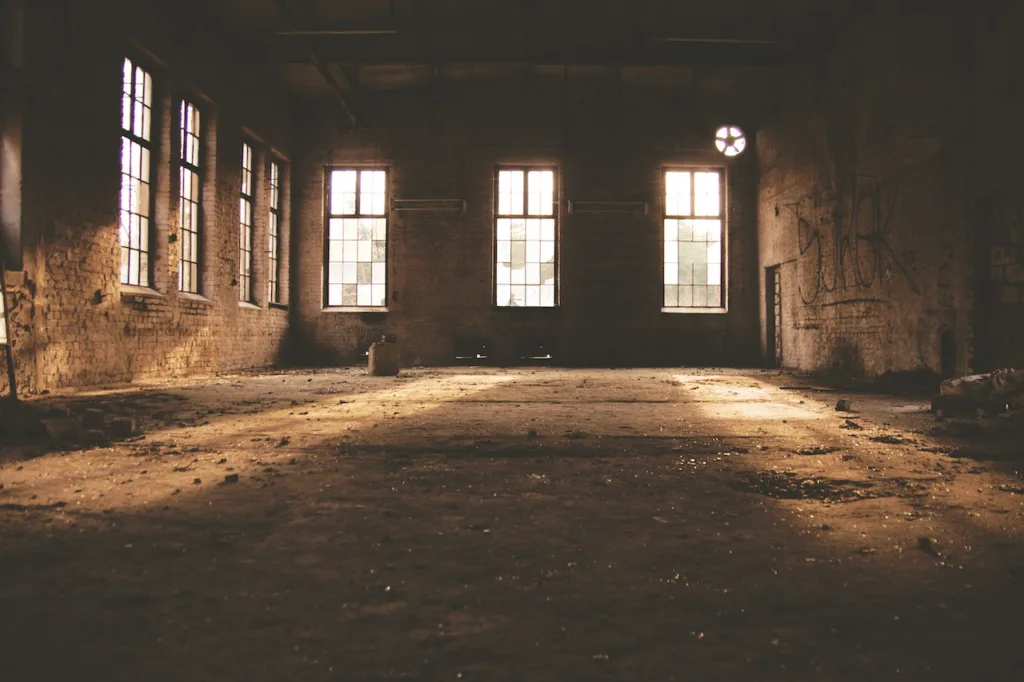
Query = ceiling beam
x=301 y=17
x=664 y=54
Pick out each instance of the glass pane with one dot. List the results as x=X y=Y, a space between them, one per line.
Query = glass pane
x=504 y=295
x=364 y=294
x=349 y=294
x=372 y=192
x=343 y=192
x=504 y=229
x=706 y=194
x=547 y=252
x=547 y=296
x=533 y=296
x=533 y=273
x=510 y=192
x=715 y=297
x=671 y=296
x=541 y=185
x=380 y=229
x=671 y=273
x=547 y=230
x=336 y=229
x=351 y=229
x=348 y=273
x=677 y=193
x=547 y=273
x=379 y=295
x=380 y=273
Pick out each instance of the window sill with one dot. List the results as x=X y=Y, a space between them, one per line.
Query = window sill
x=695 y=311
x=279 y=306
x=531 y=308
x=133 y=291
x=353 y=309
x=197 y=298
x=247 y=305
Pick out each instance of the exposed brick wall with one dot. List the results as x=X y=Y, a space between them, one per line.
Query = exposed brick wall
x=75 y=323
x=607 y=146
x=872 y=181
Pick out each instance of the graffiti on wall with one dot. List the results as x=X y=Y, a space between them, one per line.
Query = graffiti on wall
x=844 y=239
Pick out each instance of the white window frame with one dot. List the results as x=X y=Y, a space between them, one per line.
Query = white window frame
x=360 y=212
x=723 y=198
x=526 y=215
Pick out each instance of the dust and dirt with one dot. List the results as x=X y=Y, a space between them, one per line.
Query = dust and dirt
x=530 y=524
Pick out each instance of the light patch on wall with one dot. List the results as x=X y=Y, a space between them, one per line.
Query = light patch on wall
x=730 y=140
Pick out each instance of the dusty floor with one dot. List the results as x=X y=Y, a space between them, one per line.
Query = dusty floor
x=532 y=524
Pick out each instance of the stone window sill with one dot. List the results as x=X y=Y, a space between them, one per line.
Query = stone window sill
x=279 y=306
x=246 y=305
x=132 y=292
x=695 y=311
x=354 y=309
x=197 y=298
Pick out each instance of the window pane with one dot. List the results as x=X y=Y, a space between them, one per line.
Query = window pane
x=371 y=192
x=706 y=194
x=677 y=193
x=510 y=192
x=541 y=185
x=343 y=192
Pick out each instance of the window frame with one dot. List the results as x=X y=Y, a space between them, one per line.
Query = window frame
x=723 y=198
x=127 y=136
x=247 y=295
x=275 y=222
x=199 y=170
x=328 y=216
x=556 y=209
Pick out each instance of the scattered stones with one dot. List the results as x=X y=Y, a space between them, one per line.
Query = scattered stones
x=890 y=440
x=62 y=429
x=231 y=478
x=852 y=425
x=197 y=481
x=844 y=405
x=283 y=442
x=818 y=450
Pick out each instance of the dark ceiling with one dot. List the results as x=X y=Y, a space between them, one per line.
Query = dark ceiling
x=327 y=48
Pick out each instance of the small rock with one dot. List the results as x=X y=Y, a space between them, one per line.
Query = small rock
x=231 y=478
x=848 y=424
x=284 y=441
x=925 y=545
x=844 y=405
x=197 y=481
x=122 y=427
x=94 y=437
x=94 y=419
x=532 y=433
x=62 y=428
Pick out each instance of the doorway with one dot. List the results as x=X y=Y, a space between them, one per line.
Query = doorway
x=773 y=315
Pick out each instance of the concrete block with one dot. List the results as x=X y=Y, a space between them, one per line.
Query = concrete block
x=384 y=359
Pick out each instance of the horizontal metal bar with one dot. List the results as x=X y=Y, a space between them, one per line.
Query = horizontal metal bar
x=339 y=32
x=722 y=41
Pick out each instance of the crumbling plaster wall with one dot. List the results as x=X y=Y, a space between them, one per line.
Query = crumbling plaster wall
x=873 y=178
x=74 y=323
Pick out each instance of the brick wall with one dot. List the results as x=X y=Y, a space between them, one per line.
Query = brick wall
x=74 y=322
x=607 y=145
x=876 y=180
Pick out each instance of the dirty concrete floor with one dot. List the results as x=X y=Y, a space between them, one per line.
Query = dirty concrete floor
x=530 y=524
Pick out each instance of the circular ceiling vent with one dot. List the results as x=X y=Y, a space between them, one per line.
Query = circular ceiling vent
x=730 y=140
